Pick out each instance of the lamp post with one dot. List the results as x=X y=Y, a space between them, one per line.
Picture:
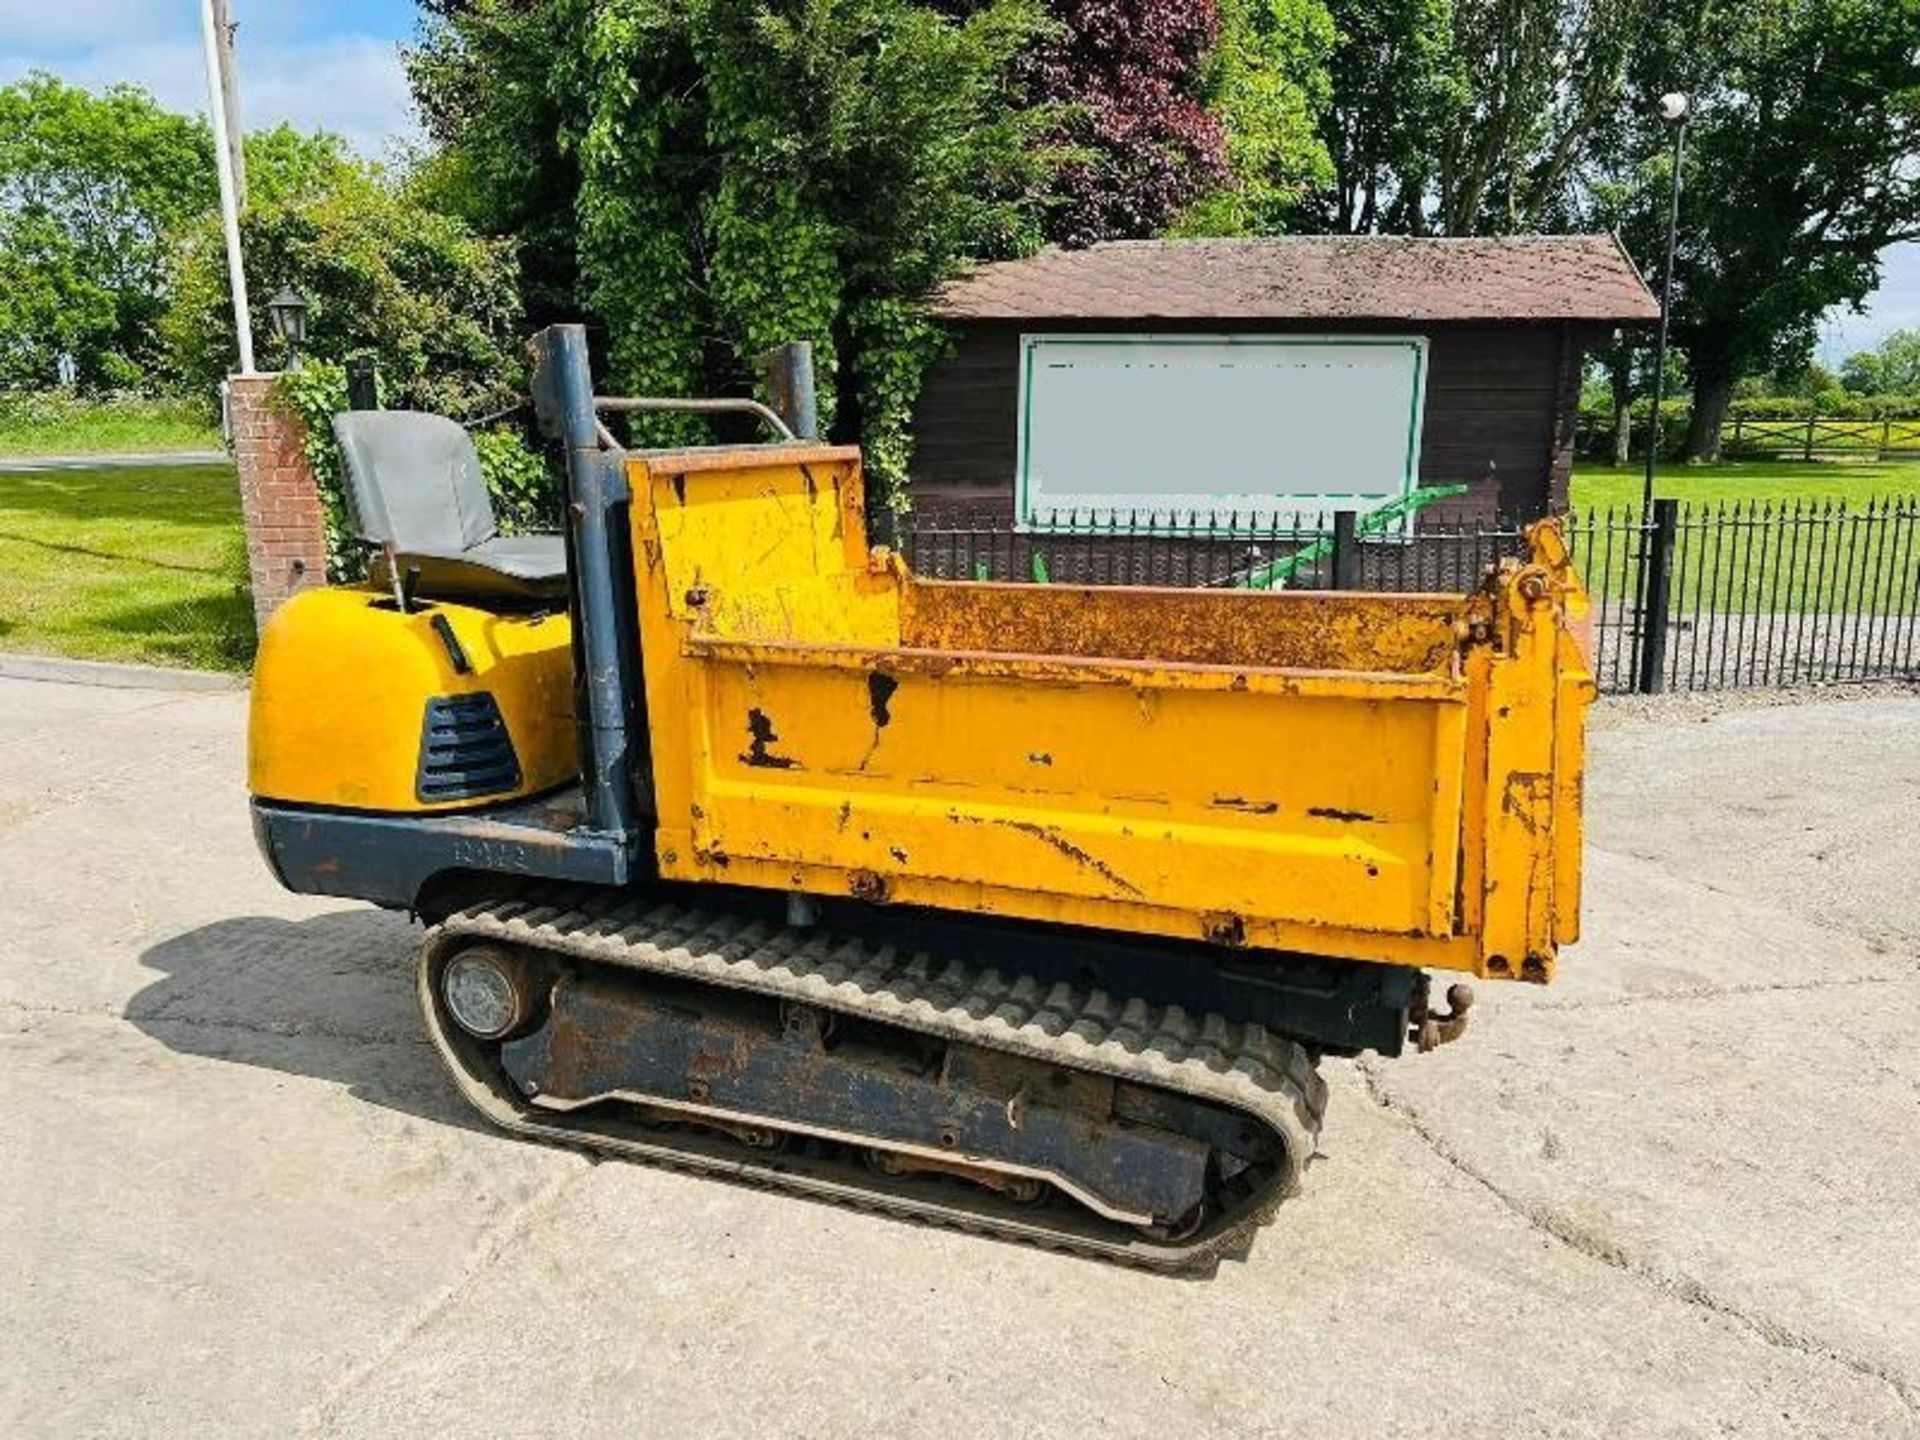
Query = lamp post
x=288 y=311
x=1674 y=109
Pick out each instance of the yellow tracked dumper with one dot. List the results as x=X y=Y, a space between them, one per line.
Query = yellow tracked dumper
x=1027 y=909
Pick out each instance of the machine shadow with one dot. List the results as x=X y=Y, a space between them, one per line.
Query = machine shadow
x=329 y=998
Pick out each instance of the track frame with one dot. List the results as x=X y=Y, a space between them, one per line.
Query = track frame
x=1241 y=1067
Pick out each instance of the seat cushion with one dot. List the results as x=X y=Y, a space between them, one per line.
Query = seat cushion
x=526 y=557
x=518 y=568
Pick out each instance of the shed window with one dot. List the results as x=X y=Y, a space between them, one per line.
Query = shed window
x=1186 y=428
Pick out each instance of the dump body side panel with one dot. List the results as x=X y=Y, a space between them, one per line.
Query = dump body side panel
x=1219 y=803
x=1283 y=771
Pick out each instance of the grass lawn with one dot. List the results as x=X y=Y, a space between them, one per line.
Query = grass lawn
x=1741 y=562
x=57 y=425
x=1596 y=486
x=141 y=565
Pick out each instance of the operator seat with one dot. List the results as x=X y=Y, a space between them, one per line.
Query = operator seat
x=414 y=484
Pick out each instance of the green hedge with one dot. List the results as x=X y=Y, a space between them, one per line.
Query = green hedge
x=50 y=422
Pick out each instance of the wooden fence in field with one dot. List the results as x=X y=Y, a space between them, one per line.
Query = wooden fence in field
x=1817 y=436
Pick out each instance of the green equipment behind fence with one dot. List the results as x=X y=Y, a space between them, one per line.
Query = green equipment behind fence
x=1275 y=574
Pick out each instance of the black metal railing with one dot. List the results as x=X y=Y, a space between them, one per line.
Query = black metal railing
x=1745 y=594
x=1693 y=596
x=1299 y=551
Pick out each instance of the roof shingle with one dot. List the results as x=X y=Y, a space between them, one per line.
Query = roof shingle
x=1314 y=277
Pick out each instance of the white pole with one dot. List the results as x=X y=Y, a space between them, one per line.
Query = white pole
x=223 y=28
x=229 y=208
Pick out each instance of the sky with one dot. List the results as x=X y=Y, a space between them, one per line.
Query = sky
x=328 y=63
x=335 y=64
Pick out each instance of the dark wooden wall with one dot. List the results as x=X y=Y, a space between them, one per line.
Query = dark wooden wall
x=1501 y=405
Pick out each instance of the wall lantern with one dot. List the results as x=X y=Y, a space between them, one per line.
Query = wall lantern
x=288 y=311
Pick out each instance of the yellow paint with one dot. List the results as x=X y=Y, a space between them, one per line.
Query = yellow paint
x=342 y=682
x=1390 y=778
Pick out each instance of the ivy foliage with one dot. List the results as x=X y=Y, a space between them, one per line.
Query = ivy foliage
x=748 y=172
x=522 y=485
x=316 y=393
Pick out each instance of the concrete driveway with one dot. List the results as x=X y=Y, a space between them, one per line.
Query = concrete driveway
x=1678 y=1193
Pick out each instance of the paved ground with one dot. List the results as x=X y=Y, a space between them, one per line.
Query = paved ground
x=1675 y=1194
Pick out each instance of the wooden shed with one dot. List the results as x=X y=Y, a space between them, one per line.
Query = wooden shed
x=1303 y=374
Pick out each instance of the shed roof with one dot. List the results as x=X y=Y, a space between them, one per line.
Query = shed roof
x=1314 y=277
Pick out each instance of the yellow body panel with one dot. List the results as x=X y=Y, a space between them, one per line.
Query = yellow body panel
x=1390 y=778
x=342 y=682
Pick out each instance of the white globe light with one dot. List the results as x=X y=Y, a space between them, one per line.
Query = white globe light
x=1673 y=106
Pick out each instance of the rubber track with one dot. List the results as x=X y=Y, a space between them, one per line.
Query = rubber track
x=1240 y=1066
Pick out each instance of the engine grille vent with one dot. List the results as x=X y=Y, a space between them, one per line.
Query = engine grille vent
x=465 y=751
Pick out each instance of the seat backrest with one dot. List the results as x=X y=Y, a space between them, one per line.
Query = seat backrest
x=414 y=481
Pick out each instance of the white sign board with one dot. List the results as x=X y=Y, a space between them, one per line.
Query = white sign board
x=1184 y=427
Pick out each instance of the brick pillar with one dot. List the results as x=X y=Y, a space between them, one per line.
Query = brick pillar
x=279 y=498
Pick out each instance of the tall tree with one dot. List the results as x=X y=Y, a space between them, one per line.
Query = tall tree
x=1466 y=117
x=1393 y=84
x=93 y=188
x=487 y=81
x=1891 y=368
x=1801 y=172
x=1126 y=78
x=1267 y=82
x=1532 y=80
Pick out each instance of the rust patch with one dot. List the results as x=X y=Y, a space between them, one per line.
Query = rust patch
x=1303 y=630
x=1525 y=792
x=1039 y=757
x=713 y=857
x=1351 y=817
x=1074 y=853
x=880 y=689
x=1227 y=929
x=1250 y=807
x=865 y=885
x=680 y=488
x=732 y=1063
x=759 y=754
x=843 y=816
x=897 y=853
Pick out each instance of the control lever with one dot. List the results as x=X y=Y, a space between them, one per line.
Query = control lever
x=402 y=598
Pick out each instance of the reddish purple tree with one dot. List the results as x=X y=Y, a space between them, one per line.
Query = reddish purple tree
x=1128 y=72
